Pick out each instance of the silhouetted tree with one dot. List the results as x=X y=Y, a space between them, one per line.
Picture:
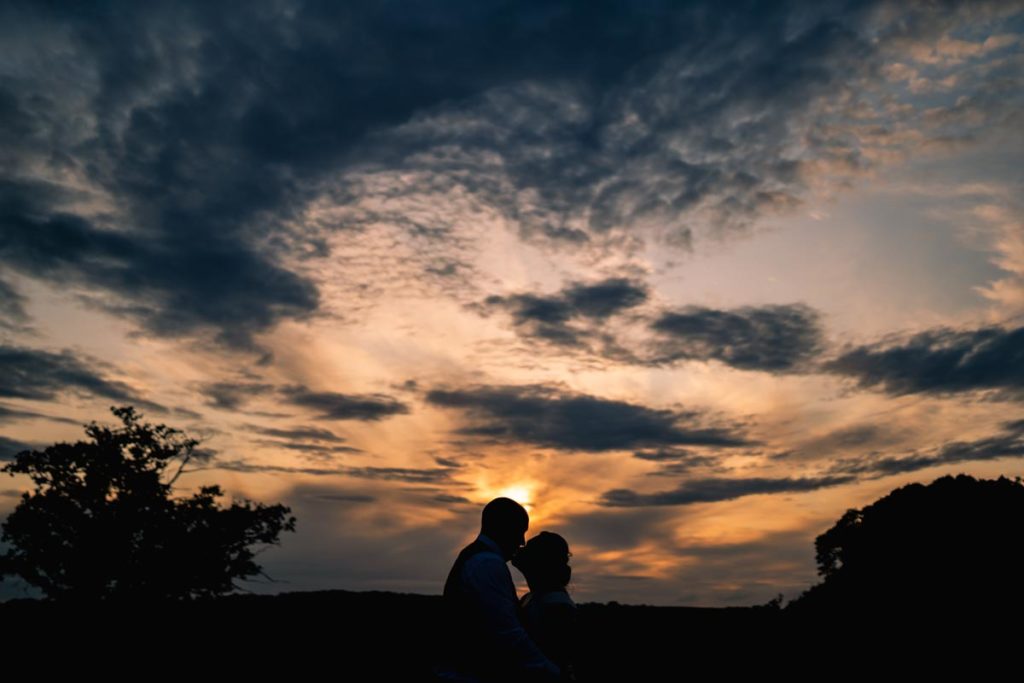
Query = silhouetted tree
x=101 y=523
x=952 y=545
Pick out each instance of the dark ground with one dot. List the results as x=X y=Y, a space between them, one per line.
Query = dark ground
x=389 y=636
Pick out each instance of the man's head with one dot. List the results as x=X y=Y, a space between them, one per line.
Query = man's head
x=505 y=521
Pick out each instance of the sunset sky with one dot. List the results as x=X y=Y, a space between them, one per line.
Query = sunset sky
x=688 y=279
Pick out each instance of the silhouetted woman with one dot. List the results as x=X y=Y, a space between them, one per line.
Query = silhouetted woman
x=547 y=611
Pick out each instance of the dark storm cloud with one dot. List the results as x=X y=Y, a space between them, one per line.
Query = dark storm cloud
x=714 y=490
x=779 y=338
x=42 y=375
x=175 y=283
x=939 y=361
x=674 y=134
x=574 y=314
x=11 y=447
x=1007 y=444
x=553 y=418
x=334 y=406
x=162 y=153
x=213 y=130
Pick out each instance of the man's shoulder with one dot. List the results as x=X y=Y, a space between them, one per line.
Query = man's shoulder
x=486 y=559
x=487 y=569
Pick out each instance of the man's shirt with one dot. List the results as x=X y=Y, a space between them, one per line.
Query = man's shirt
x=489 y=586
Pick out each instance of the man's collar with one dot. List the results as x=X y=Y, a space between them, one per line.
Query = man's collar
x=490 y=543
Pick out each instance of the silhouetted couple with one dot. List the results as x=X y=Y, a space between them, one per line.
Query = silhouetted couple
x=493 y=636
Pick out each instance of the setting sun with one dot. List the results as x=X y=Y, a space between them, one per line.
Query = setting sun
x=517 y=492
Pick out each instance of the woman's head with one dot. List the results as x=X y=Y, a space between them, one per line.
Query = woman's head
x=544 y=561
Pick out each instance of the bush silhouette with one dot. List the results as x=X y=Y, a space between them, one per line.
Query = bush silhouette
x=953 y=545
x=101 y=524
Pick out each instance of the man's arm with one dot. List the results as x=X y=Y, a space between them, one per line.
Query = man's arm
x=490 y=583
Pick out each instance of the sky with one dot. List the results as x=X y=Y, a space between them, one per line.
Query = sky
x=689 y=280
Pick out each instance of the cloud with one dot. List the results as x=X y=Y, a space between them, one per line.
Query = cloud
x=1007 y=444
x=299 y=432
x=328 y=405
x=314 y=442
x=316 y=450
x=675 y=462
x=436 y=475
x=554 y=418
x=448 y=462
x=8 y=414
x=714 y=489
x=452 y=500
x=581 y=317
x=617 y=529
x=1007 y=233
x=12 y=307
x=573 y=316
x=41 y=375
x=346 y=497
x=857 y=438
x=603 y=299
x=176 y=283
x=776 y=338
x=334 y=406
x=11 y=447
x=939 y=361
x=176 y=188
x=232 y=395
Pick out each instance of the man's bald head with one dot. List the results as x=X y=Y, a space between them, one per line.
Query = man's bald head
x=506 y=522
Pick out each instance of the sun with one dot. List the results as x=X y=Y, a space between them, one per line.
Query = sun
x=517 y=492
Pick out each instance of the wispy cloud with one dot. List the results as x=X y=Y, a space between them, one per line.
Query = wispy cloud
x=43 y=375
x=555 y=418
x=336 y=406
x=1007 y=444
x=718 y=489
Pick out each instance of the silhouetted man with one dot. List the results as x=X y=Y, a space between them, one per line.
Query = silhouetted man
x=486 y=641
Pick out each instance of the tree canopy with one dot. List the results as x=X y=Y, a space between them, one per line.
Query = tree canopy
x=953 y=544
x=102 y=522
